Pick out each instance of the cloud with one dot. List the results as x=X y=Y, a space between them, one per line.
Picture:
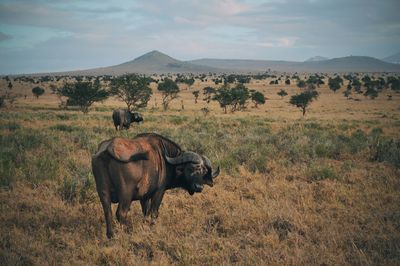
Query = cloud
x=93 y=32
x=5 y=37
x=284 y=42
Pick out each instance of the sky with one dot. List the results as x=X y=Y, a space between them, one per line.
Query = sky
x=60 y=35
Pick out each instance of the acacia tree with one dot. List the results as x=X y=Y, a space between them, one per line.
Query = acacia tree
x=223 y=97
x=182 y=79
x=257 y=98
x=301 y=83
x=314 y=81
x=372 y=89
x=282 y=93
x=347 y=93
x=208 y=93
x=134 y=90
x=37 y=91
x=240 y=94
x=303 y=99
x=189 y=82
x=169 y=90
x=335 y=83
x=196 y=94
x=83 y=94
x=395 y=84
x=7 y=95
x=356 y=84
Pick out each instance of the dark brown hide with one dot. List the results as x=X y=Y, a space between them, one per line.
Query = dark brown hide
x=127 y=170
x=123 y=118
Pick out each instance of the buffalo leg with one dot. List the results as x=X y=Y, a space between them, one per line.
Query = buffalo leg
x=102 y=185
x=155 y=205
x=145 y=203
x=123 y=207
x=106 y=203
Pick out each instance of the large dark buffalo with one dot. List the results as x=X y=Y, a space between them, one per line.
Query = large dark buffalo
x=142 y=169
x=124 y=118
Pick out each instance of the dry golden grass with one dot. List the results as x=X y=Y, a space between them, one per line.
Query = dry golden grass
x=323 y=206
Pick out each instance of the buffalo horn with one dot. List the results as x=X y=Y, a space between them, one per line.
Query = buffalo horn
x=215 y=173
x=207 y=162
x=187 y=156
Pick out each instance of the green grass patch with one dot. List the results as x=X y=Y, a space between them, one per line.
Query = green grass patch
x=321 y=172
x=10 y=126
x=65 y=128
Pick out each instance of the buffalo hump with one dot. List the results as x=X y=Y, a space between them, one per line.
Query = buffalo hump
x=125 y=150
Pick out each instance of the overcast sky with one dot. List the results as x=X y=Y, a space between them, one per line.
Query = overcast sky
x=58 y=35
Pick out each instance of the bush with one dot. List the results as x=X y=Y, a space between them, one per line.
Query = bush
x=7 y=176
x=38 y=91
x=178 y=120
x=83 y=94
x=322 y=172
x=11 y=126
x=387 y=150
x=64 y=128
x=77 y=184
x=68 y=189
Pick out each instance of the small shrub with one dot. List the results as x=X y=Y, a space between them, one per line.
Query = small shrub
x=87 y=189
x=258 y=163
x=68 y=189
x=87 y=140
x=11 y=126
x=64 y=128
x=358 y=141
x=228 y=164
x=7 y=176
x=319 y=173
x=63 y=117
x=178 y=120
x=387 y=150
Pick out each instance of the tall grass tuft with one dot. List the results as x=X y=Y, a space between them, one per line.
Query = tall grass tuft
x=321 y=172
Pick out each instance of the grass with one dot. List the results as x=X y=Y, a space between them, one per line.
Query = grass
x=321 y=172
x=304 y=191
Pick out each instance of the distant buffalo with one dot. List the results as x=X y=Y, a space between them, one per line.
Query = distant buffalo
x=124 y=118
x=143 y=168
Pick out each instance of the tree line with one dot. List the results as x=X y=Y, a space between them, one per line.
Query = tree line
x=233 y=95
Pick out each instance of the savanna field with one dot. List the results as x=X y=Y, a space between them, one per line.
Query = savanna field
x=323 y=189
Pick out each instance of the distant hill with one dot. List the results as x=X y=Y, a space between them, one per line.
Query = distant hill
x=394 y=59
x=153 y=62
x=350 y=64
x=243 y=65
x=156 y=62
x=342 y=64
x=317 y=58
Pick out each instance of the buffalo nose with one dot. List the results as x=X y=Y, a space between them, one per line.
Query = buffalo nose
x=198 y=187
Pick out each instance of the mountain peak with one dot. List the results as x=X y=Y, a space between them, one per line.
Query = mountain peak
x=155 y=55
x=158 y=62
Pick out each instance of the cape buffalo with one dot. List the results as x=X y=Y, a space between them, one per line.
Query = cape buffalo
x=143 y=168
x=124 y=118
